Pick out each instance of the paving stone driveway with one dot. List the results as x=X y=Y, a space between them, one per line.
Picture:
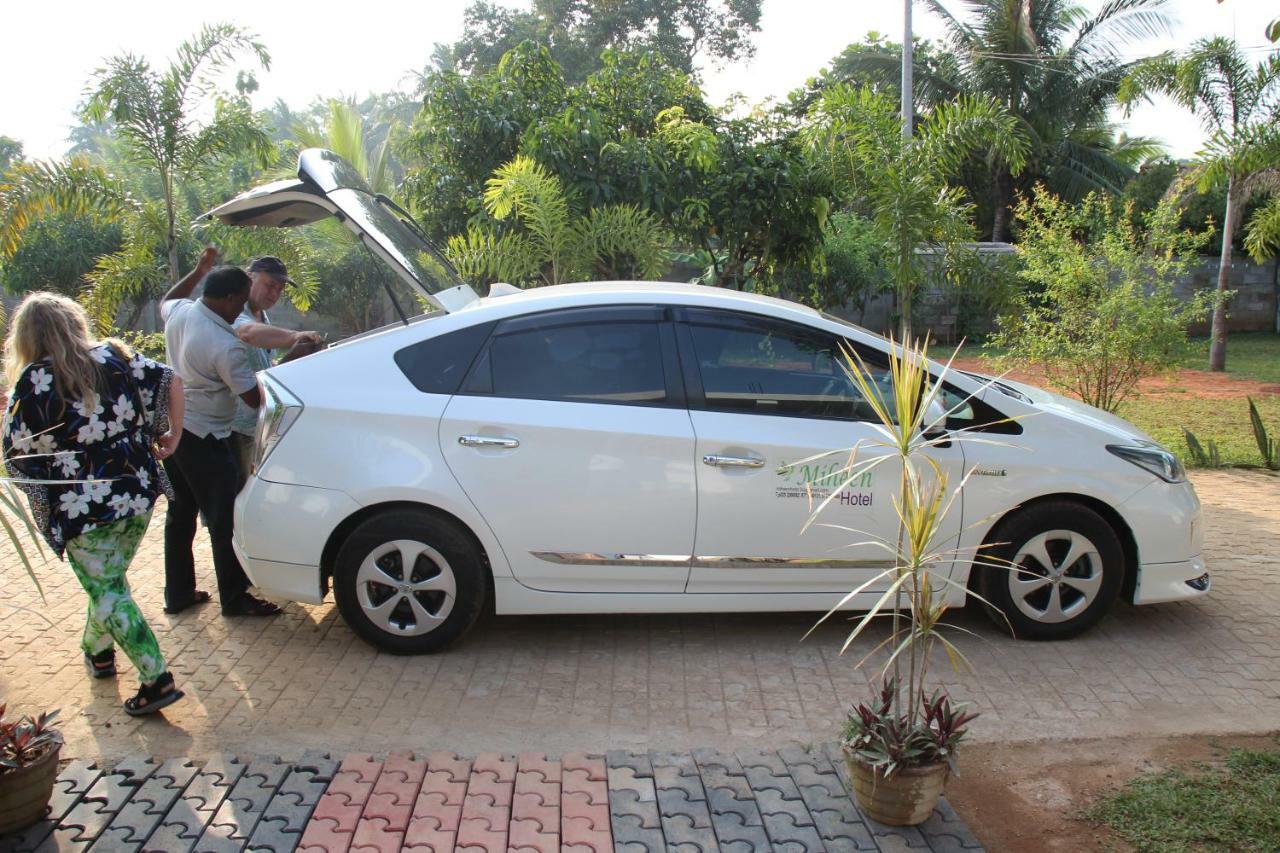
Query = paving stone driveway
x=790 y=800
x=561 y=683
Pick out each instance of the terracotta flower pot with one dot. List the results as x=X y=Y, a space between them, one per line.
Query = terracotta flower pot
x=906 y=798
x=25 y=792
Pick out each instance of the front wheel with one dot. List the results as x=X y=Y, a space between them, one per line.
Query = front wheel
x=409 y=581
x=1058 y=569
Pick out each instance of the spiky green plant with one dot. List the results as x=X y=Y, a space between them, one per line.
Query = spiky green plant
x=909 y=421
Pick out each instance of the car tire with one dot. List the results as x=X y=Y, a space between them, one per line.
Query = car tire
x=409 y=581
x=1070 y=569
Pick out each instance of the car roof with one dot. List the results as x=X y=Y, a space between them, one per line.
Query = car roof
x=589 y=292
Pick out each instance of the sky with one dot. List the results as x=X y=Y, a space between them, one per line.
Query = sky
x=382 y=46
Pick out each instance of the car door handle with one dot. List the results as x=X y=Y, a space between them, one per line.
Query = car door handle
x=732 y=461
x=488 y=441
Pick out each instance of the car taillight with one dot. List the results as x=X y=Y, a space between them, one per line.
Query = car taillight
x=278 y=411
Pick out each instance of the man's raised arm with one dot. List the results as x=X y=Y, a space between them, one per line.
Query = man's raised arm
x=186 y=284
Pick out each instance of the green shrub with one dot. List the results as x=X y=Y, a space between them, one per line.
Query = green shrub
x=1100 y=313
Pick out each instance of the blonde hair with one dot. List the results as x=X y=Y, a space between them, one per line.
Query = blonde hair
x=48 y=325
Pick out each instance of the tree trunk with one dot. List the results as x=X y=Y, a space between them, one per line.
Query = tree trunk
x=1218 y=344
x=1002 y=195
x=904 y=318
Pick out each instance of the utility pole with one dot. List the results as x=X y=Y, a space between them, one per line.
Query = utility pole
x=908 y=106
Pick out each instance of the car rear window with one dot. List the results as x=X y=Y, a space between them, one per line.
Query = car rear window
x=438 y=365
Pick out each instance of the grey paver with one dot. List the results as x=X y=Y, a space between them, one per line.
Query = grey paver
x=186 y=819
x=71 y=785
x=233 y=823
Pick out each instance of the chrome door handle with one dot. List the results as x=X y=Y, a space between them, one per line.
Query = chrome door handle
x=488 y=441
x=732 y=461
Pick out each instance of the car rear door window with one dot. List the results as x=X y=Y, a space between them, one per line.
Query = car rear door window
x=575 y=360
x=437 y=365
x=760 y=366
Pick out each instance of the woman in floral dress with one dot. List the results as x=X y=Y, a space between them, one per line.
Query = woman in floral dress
x=85 y=424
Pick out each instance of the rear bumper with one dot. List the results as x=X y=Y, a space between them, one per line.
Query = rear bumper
x=280 y=534
x=1159 y=582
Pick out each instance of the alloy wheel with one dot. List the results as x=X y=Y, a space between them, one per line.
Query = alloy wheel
x=406 y=587
x=1055 y=576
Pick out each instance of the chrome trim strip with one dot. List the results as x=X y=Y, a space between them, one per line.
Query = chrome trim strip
x=676 y=561
x=787 y=563
x=589 y=558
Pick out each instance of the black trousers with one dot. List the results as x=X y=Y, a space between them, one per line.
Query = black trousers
x=205 y=480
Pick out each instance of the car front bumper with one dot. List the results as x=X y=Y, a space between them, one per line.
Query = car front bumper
x=280 y=534
x=1160 y=582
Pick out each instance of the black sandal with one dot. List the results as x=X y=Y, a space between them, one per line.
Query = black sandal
x=197 y=598
x=101 y=665
x=152 y=697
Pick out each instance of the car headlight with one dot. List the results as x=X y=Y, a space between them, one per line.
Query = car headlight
x=1153 y=458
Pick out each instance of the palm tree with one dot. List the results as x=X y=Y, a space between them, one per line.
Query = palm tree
x=1054 y=67
x=157 y=114
x=1238 y=105
x=555 y=243
x=168 y=146
x=904 y=183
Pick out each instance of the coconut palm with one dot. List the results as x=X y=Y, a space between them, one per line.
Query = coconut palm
x=1053 y=66
x=1238 y=105
x=553 y=242
x=904 y=183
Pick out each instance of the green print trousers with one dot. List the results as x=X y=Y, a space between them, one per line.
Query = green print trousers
x=100 y=558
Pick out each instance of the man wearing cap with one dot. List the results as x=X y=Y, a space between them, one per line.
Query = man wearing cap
x=268 y=278
x=213 y=362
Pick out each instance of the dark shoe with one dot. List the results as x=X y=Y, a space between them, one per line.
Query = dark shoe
x=197 y=598
x=152 y=697
x=101 y=665
x=248 y=605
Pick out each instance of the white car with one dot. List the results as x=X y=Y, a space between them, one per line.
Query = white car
x=627 y=447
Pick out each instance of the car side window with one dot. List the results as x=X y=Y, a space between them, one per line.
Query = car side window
x=603 y=362
x=766 y=367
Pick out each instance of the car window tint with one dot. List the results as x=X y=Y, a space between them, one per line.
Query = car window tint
x=779 y=369
x=594 y=363
x=438 y=364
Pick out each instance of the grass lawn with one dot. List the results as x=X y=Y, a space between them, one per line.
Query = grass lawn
x=1250 y=355
x=1235 y=807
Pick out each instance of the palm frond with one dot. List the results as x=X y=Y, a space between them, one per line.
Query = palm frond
x=76 y=188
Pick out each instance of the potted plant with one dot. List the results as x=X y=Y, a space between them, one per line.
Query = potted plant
x=900 y=745
x=28 y=768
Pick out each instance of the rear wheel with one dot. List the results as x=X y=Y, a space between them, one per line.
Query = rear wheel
x=409 y=581
x=1059 y=569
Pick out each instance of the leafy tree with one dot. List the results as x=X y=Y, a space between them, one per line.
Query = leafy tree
x=578 y=32
x=57 y=252
x=554 y=242
x=1239 y=106
x=903 y=182
x=851 y=274
x=10 y=153
x=1101 y=313
x=755 y=200
x=469 y=126
x=1053 y=66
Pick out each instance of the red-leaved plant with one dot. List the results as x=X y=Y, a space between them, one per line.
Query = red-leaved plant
x=24 y=740
x=889 y=742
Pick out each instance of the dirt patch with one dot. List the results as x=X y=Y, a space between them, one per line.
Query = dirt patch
x=1027 y=796
x=1200 y=383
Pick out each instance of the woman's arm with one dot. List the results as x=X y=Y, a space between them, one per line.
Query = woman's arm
x=168 y=443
